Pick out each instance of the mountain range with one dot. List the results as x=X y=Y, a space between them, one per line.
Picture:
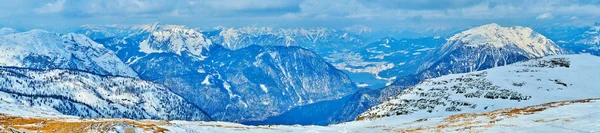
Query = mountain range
x=245 y=84
x=475 y=49
x=260 y=75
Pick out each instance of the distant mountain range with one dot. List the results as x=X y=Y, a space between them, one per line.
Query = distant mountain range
x=578 y=39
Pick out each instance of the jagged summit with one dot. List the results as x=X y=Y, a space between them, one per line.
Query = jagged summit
x=494 y=35
x=155 y=38
x=157 y=26
x=173 y=38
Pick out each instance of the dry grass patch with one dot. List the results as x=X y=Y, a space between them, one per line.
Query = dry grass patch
x=59 y=125
x=468 y=122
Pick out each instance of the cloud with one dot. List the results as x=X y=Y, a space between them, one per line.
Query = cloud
x=544 y=16
x=256 y=8
x=154 y=8
x=423 y=4
x=384 y=13
x=120 y=8
x=52 y=7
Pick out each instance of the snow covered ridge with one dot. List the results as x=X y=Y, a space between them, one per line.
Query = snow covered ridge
x=88 y=95
x=536 y=81
x=155 y=38
x=493 y=35
x=559 y=116
x=312 y=38
x=6 y=31
x=173 y=39
x=45 y=50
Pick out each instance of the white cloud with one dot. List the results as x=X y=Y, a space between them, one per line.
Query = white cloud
x=545 y=16
x=249 y=4
x=574 y=17
x=52 y=7
x=289 y=13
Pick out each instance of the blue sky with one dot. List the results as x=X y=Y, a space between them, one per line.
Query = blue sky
x=377 y=14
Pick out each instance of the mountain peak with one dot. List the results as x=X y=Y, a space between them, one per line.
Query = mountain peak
x=490 y=26
x=157 y=26
x=38 y=34
x=6 y=31
x=173 y=38
x=493 y=35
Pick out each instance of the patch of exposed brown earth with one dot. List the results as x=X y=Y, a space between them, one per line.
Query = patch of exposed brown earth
x=467 y=122
x=59 y=125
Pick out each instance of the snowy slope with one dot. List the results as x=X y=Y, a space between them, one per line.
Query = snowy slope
x=536 y=81
x=560 y=116
x=45 y=50
x=251 y=83
x=88 y=95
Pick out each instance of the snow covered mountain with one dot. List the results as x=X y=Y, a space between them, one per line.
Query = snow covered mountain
x=475 y=49
x=489 y=46
x=316 y=39
x=357 y=51
x=238 y=38
x=173 y=39
x=6 y=31
x=480 y=48
x=536 y=81
x=576 y=39
x=88 y=95
x=246 y=84
x=135 y=41
x=45 y=50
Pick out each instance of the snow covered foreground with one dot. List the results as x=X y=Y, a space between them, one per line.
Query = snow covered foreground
x=563 y=116
x=531 y=82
